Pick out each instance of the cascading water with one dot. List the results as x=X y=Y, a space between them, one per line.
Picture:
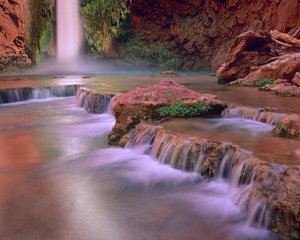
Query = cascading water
x=208 y=158
x=28 y=93
x=69 y=33
x=259 y=115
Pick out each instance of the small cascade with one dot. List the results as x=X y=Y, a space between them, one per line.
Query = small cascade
x=94 y=102
x=29 y=93
x=260 y=115
x=210 y=159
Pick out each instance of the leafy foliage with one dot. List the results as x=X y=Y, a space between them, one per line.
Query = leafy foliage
x=180 y=110
x=105 y=19
x=153 y=54
x=264 y=82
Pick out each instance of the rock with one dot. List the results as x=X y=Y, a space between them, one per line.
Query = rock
x=296 y=154
x=92 y=101
x=285 y=89
x=284 y=67
x=289 y=126
x=280 y=81
x=296 y=79
x=275 y=186
x=143 y=104
x=170 y=72
x=248 y=50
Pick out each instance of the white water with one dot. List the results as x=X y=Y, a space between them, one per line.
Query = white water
x=69 y=33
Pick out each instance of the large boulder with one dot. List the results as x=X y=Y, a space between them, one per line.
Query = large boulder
x=285 y=67
x=144 y=103
x=289 y=126
x=249 y=50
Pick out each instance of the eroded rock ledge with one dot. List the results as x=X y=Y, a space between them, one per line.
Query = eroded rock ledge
x=269 y=193
x=144 y=103
x=264 y=55
x=92 y=101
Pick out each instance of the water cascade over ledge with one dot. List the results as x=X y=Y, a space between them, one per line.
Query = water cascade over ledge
x=29 y=93
x=256 y=186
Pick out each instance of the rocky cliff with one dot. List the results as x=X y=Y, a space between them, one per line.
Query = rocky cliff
x=25 y=32
x=178 y=34
x=201 y=32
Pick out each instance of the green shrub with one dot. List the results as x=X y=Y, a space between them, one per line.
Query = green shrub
x=220 y=79
x=152 y=54
x=263 y=82
x=180 y=110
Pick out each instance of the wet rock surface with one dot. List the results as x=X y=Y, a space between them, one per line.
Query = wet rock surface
x=144 y=103
x=92 y=101
x=289 y=126
x=270 y=193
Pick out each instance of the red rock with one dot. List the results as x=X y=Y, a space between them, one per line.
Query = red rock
x=296 y=79
x=143 y=104
x=284 y=67
x=204 y=30
x=296 y=154
x=289 y=126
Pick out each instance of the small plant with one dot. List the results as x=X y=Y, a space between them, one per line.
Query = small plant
x=249 y=84
x=263 y=82
x=220 y=79
x=283 y=131
x=180 y=110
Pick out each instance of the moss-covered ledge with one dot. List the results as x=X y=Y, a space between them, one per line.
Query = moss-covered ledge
x=166 y=99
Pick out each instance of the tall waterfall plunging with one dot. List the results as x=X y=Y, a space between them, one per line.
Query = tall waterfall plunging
x=69 y=32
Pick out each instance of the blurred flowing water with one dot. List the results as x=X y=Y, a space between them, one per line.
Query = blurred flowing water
x=60 y=180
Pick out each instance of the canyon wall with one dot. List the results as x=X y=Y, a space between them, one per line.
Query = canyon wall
x=179 y=34
x=26 y=30
x=201 y=32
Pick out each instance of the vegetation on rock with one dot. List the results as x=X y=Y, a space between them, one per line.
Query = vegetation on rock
x=42 y=22
x=180 y=109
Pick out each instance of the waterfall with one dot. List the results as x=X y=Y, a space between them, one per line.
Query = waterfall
x=94 y=102
x=69 y=33
x=260 y=115
x=28 y=93
x=210 y=159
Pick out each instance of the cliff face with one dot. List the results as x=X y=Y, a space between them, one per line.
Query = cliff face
x=25 y=32
x=201 y=32
x=13 y=33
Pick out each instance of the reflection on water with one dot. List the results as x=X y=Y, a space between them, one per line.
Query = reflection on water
x=59 y=180
x=239 y=96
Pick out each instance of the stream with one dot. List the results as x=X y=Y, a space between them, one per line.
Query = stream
x=60 y=180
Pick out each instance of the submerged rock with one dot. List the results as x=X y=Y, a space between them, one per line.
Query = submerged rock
x=289 y=126
x=92 y=101
x=170 y=72
x=144 y=103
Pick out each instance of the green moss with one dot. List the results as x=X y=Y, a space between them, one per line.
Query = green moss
x=263 y=82
x=283 y=130
x=152 y=54
x=105 y=21
x=42 y=21
x=180 y=110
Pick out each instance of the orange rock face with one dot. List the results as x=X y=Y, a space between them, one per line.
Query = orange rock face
x=143 y=104
x=13 y=32
x=202 y=31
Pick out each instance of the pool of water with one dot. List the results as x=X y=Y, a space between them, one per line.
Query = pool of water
x=250 y=135
x=60 y=180
x=203 y=83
